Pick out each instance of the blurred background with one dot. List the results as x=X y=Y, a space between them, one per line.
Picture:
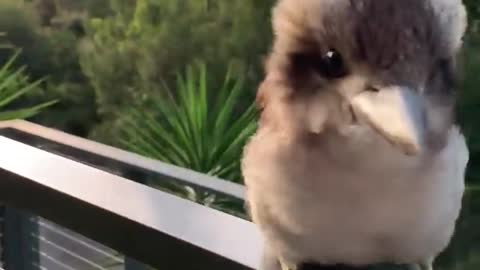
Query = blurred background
x=175 y=81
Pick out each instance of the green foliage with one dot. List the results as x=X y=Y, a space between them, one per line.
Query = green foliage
x=20 y=24
x=195 y=127
x=473 y=7
x=469 y=105
x=49 y=54
x=128 y=55
x=49 y=10
x=464 y=251
x=14 y=84
x=46 y=10
x=76 y=111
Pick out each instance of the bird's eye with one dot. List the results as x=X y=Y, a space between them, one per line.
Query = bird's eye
x=329 y=65
x=332 y=65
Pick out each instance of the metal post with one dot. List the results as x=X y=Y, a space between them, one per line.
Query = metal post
x=20 y=246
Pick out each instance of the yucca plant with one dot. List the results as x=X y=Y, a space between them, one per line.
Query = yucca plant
x=195 y=127
x=14 y=83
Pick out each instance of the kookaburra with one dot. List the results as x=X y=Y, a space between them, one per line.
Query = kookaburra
x=357 y=160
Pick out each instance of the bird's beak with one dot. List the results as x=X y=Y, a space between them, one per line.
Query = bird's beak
x=397 y=113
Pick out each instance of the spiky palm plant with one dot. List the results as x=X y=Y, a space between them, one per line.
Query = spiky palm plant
x=14 y=83
x=195 y=127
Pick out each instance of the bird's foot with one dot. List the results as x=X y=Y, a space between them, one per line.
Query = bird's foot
x=285 y=266
x=271 y=261
x=425 y=265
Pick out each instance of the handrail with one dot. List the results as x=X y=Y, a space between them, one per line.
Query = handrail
x=148 y=225
x=127 y=158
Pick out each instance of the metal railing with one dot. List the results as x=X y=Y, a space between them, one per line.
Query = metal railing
x=96 y=191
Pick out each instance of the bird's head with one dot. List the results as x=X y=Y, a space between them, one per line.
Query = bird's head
x=387 y=65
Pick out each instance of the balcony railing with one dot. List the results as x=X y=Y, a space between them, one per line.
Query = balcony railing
x=68 y=203
x=89 y=202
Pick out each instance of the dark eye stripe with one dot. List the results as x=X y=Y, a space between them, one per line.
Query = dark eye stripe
x=303 y=62
x=330 y=65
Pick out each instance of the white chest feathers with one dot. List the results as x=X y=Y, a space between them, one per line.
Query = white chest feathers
x=354 y=203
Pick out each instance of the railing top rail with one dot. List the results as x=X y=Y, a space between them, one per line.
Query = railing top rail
x=168 y=171
x=149 y=225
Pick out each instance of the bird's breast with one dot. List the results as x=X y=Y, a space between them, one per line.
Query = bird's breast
x=311 y=207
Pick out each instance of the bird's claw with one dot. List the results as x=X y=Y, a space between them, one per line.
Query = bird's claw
x=286 y=266
x=426 y=265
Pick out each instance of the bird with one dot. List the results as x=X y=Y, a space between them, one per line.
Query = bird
x=358 y=159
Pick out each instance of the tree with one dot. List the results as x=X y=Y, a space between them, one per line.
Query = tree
x=49 y=54
x=46 y=10
x=129 y=55
x=473 y=7
x=469 y=104
x=20 y=23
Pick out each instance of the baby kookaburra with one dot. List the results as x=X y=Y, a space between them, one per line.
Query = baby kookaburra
x=357 y=159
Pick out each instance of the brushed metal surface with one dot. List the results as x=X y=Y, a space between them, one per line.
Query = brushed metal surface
x=149 y=225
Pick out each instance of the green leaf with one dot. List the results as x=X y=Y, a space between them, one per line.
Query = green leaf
x=13 y=85
x=194 y=126
x=24 y=113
